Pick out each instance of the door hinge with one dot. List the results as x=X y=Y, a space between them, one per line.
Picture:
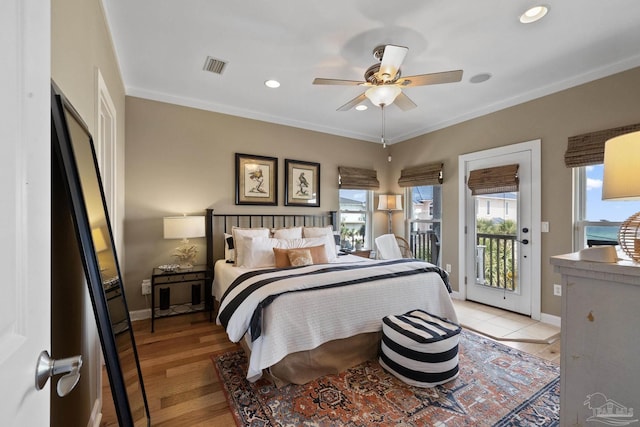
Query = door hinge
x=465 y=280
x=465 y=229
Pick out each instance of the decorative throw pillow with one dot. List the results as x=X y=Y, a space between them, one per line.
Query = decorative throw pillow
x=318 y=255
x=229 y=249
x=299 y=257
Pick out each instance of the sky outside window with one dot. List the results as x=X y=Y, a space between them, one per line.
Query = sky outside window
x=598 y=209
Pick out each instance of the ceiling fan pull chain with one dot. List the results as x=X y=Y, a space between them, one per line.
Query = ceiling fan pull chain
x=384 y=143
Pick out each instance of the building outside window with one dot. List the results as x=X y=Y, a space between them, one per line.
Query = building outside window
x=597 y=219
x=355 y=219
x=425 y=217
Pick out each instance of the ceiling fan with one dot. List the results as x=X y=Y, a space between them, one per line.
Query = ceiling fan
x=385 y=82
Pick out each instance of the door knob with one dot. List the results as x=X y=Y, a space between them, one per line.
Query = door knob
x=48 y=367
x=524 y=241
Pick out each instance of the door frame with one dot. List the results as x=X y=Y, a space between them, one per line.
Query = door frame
x=535 y=237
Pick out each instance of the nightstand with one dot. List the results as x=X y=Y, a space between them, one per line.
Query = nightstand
x=362 y=253
x=180 y=293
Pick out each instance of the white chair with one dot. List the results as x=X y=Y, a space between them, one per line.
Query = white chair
x=387 y=247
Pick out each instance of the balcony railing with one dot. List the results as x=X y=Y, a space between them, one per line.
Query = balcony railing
x=496 y=265
x=425 y=245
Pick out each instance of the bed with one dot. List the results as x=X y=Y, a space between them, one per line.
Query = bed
x=301 y=322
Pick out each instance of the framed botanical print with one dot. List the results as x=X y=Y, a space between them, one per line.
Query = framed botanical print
x=302 y=183
x=256 y=180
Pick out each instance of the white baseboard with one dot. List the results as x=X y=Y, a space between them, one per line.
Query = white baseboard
x=544 y=317
x=140 y=314
x=96 y=414
x=551 y=319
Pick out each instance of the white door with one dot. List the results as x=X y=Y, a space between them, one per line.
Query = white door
x=25 y=215
x=502 y=233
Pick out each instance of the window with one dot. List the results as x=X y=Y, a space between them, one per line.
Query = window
x=596 y=219
x=425 y=217
x=355 y=219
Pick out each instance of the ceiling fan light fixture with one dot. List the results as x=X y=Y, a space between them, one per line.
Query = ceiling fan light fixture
x=361 y=107
x=382 y=95
x=534 y=14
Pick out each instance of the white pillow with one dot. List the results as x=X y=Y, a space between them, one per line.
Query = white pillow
x=288 y=233
x=326 y=232
x=317 y=231
x=258 y=251
x=239 y=234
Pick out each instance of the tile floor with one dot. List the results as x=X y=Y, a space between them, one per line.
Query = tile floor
x=511 y=329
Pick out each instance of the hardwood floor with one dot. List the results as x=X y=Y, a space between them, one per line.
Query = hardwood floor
x=181 y=384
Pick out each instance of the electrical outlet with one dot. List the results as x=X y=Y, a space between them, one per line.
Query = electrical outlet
x=557 y=290
x=146 y=287
x=448 y=268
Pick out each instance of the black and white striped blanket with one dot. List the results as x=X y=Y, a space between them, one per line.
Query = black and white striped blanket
x=242 y=305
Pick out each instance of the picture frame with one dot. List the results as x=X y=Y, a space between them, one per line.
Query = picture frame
x=302 y=183
x=256 y=180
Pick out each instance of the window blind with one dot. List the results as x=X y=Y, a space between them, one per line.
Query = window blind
x=500 y=179
x=588 y=148
x=429 y=174
x=357 y=178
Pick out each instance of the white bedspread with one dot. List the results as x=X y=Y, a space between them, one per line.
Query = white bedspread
x=304 y=320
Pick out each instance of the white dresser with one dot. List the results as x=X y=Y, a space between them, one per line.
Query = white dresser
x=600 y=360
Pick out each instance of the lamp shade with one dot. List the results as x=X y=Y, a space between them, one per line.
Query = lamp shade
x=390 y=202
x=621 y=178
x=183 y=227
x=382 y=95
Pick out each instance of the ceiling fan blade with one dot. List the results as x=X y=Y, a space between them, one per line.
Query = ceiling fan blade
x=404 y=102
x=431 y=79
x=392 y=59
x=355 y=101
x=320 y=81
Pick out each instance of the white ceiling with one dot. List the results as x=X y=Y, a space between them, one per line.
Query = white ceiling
x=162 y=46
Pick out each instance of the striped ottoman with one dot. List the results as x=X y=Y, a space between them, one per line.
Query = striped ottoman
x=419 y=348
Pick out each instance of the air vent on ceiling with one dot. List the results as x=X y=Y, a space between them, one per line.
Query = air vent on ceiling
x=214 y=65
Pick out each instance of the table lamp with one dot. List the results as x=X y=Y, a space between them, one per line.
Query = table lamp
x=184 y=227
x=621 y=181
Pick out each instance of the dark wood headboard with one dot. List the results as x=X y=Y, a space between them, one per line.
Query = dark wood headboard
x=218 y=224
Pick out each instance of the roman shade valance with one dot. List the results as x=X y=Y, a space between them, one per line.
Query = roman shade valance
x=429 y=174
x=500 y=179
x=588 y=149
x=357 y=178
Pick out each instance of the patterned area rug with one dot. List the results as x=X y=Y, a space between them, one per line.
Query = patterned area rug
x=497 y=386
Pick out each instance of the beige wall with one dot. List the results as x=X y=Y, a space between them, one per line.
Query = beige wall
x=181 y=160
x=80 y=45
x=602 y=104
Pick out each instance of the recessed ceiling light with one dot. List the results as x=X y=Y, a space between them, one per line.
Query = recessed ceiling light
x=534 y=14
x=272 y=84
x=479 y=78
x=361 y=107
